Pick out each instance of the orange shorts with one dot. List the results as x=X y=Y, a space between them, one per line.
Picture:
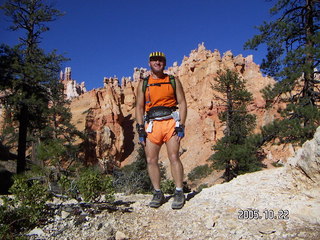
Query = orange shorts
x=162 y=131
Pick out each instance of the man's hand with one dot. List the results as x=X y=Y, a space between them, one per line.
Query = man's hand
x=142 y=134
x=180 y=132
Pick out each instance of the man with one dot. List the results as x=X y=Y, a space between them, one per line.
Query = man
x=158 y=96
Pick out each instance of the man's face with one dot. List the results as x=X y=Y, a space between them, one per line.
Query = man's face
x=157 y=64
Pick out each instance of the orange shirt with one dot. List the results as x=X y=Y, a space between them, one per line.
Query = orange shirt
x=159 y=95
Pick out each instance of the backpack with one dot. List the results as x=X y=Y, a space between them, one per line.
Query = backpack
x=172 y=81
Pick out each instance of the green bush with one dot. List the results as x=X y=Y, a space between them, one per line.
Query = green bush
x=68 y=186
x=92 y=184
x=31 y=193
x=14 y=221
x=199 y=172
x=26 y=208
x=89 y=183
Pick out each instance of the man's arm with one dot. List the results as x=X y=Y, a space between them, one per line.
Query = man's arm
x=140 y=104
x=139 y=114
x=181 y=102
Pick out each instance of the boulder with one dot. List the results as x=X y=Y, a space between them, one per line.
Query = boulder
x=305 y=166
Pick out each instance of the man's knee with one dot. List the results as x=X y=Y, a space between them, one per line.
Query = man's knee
x=174 y=158
x=152 y=160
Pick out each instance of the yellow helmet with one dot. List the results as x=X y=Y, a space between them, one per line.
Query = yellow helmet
x=157 y=54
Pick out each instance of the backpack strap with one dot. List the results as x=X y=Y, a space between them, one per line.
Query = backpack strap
x=145 y=84
x=173 y=84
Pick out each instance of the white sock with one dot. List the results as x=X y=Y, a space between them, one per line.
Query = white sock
x=179 y=189
x=157 y=190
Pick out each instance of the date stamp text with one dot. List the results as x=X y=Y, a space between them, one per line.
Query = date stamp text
x=250 y=214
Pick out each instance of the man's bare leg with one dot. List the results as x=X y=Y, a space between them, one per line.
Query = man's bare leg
x=177 y=172
x=152 y=154
x=173 y=146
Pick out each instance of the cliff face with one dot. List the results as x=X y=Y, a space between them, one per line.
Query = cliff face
x=111 y=117
x=98 y=114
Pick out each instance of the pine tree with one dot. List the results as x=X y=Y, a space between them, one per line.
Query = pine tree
x=232 y=152
x=58 y=136
x=29 y=70
x=292 y=58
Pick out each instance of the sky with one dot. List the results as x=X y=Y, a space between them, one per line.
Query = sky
x=107 y=38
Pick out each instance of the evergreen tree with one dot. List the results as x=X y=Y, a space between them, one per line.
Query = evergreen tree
x=29 y=72
x=232 y=152
x=292 y=58
x=56 y=139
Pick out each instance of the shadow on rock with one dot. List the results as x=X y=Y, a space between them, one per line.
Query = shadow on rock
x=191 y=195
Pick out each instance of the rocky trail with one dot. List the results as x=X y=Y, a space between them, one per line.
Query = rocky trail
x=280 y=203
x=218 y=212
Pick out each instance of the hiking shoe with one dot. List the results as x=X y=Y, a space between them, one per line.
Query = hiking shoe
x=157 y=200
x=178 y=200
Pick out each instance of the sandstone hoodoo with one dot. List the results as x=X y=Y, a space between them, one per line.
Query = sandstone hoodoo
x=71 y=88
